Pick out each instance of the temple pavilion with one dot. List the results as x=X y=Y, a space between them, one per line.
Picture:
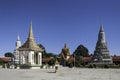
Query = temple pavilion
x=30 y=54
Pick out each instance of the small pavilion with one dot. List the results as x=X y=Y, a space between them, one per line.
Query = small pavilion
x=30 y=53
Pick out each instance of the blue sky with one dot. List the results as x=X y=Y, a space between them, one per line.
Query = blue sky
x=56 y=22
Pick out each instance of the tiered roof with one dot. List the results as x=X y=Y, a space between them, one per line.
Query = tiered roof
x=30 y=44
x=65 y=52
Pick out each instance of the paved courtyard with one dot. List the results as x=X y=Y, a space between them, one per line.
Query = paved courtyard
x=62 y=74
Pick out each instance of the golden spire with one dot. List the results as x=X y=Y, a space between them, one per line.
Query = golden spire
x=30 y=44
x=31 y=32
x=65 y=46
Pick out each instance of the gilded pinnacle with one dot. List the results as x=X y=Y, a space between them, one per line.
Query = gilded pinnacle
x=31 y=32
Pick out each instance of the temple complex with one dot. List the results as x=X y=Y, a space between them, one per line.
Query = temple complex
x=101 y=53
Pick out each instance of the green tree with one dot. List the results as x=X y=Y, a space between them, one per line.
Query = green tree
x=69 y=64
x=81 y=51
x=8 y=54
x=41 y=46
x=78 y=61
x=1 y=62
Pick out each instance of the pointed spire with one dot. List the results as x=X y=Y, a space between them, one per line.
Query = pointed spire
x=31 y=32
x=65 y=46
x=30 y=43
x=101 y=36
x=101 y=25
x=101 y=28
x=18 y=38
x=18 y=42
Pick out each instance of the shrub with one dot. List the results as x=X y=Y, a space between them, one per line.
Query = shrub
x=41 y=66
x=70 y=65
x=94 y=65
x=90 y=66
x=106 y=66
x=51 y=62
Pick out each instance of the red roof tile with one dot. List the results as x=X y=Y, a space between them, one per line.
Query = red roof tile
x=85 y=59
x=5 y=59
x=46 y=59
x=116 y=58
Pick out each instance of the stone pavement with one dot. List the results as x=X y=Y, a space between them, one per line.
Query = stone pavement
x=64 y=73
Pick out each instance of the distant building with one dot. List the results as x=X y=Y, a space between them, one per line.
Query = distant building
x=30 y=54
x=101 y=53
x=64 y=55
x=16 y=52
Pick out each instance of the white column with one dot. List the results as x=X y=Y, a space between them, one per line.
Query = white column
x=39 y=58
x=21 y=57
x=31 y=57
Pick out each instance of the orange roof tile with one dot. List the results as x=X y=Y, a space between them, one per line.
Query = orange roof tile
x=5 y=59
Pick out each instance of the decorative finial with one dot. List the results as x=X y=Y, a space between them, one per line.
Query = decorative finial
x=65 y=46
x=31 y=22
x=101 y=29
x=18 y=38
x=101 y=25
x=31 y=32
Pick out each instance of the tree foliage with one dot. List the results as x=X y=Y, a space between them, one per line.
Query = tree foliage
x=41 y=46
x=8 y=54
x=81 y=51
x=78 y=61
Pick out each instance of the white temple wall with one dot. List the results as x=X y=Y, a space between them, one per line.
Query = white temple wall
x=16 y=54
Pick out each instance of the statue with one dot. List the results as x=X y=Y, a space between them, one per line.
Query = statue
x=56 y=65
